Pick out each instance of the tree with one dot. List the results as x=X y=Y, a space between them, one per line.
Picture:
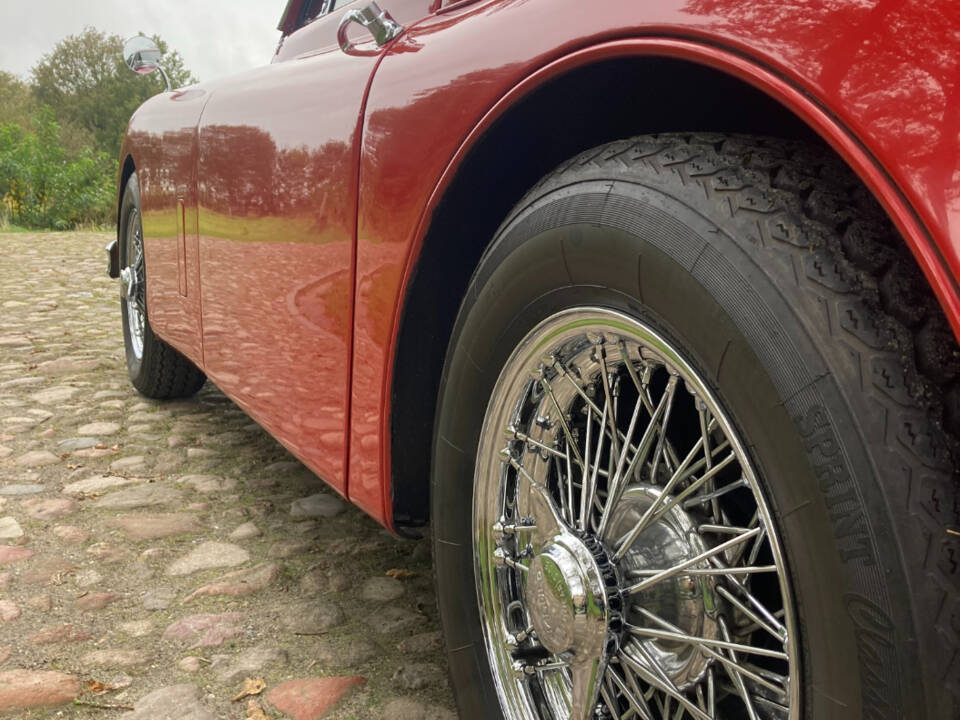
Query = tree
x=87 y=84
x=41 y=187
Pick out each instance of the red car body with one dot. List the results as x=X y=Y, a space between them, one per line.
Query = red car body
x=289 y=211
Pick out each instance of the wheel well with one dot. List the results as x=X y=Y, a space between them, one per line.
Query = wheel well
x=586 y=107
x=128 y=168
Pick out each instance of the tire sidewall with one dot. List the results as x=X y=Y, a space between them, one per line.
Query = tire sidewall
x=136 y=367
x=640 y=251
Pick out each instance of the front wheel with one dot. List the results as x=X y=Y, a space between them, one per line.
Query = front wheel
x=156 y=369
x=661 y=486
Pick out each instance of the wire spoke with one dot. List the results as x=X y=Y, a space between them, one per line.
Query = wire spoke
x=668 y=688
x=637 y=702
x=631 y=460
x=683 y=637
x=640 y=456
x=705 y=648
x=696 y=560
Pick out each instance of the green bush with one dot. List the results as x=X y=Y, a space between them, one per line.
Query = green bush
x=40 y=187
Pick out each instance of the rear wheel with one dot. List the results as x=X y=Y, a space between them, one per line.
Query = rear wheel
x=156 y=369
x=688 y=463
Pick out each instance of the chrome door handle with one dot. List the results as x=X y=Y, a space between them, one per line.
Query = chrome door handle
x=383 y=27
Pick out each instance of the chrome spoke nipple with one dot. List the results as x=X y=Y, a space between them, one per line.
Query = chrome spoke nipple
x=524 y=634
x=544 y=422
x=503 y=558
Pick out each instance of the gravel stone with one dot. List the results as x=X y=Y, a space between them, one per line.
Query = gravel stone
x=49 y=508
x=99 y=428
x=158 y=525
x=12 y=553
x=431 y=641
x=58 y=634
x=9 y=610
x=207 y=484
x=87 y=578
x=249 y=663
x=129 y=464
x=137 y=628
x=68 y=365
x=350 y=653
x=310 y=698
x=40 y=603
x=177 y=702
x=78 y=443
x=22 y=489
x=312 y=617
x=71 y=533
x=46 y=569
x=140 y=496
x=26 y=689
x=159 y=598
x=37 y=458
x=319 y=505
x=281 y=550
x=96 y=601
x=54 y=395
x=209 y=555
x=190 y=663
x=382 y=589
x=418 y=676
x=239 y=583
x=205 y=630
x=96 y=484
x=245 y=531
x=10 y=528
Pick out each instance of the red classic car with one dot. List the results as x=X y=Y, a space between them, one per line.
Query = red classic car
x=648 y=309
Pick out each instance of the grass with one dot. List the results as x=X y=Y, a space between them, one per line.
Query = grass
x=8 y=227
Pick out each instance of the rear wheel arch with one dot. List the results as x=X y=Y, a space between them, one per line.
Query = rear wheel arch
x=526 y=140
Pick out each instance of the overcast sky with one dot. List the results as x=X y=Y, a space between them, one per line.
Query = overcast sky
x=215 y=37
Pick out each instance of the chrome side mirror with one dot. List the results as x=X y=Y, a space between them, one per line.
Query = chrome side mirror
x=143 y=57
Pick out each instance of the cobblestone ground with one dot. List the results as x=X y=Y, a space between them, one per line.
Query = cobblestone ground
x=165 y=557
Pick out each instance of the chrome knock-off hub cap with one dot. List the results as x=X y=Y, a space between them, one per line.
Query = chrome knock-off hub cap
x=627 y=561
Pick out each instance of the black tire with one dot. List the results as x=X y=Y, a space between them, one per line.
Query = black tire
x=800 y=306
x=160 y=372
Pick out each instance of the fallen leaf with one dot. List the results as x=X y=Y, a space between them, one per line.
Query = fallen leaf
x=96 y=687
x=251 y=686
x=100 y=446
x=401 y=574
x=254 y=711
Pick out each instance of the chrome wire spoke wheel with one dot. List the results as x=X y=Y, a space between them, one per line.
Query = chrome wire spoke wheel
x=628 y=564
x=133 y=286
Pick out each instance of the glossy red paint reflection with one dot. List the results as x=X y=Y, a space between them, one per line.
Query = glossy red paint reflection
x=854 y=71
x=163 y=137
x=310 y=185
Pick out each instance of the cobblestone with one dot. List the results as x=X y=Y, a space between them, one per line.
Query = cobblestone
x=102 y=491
